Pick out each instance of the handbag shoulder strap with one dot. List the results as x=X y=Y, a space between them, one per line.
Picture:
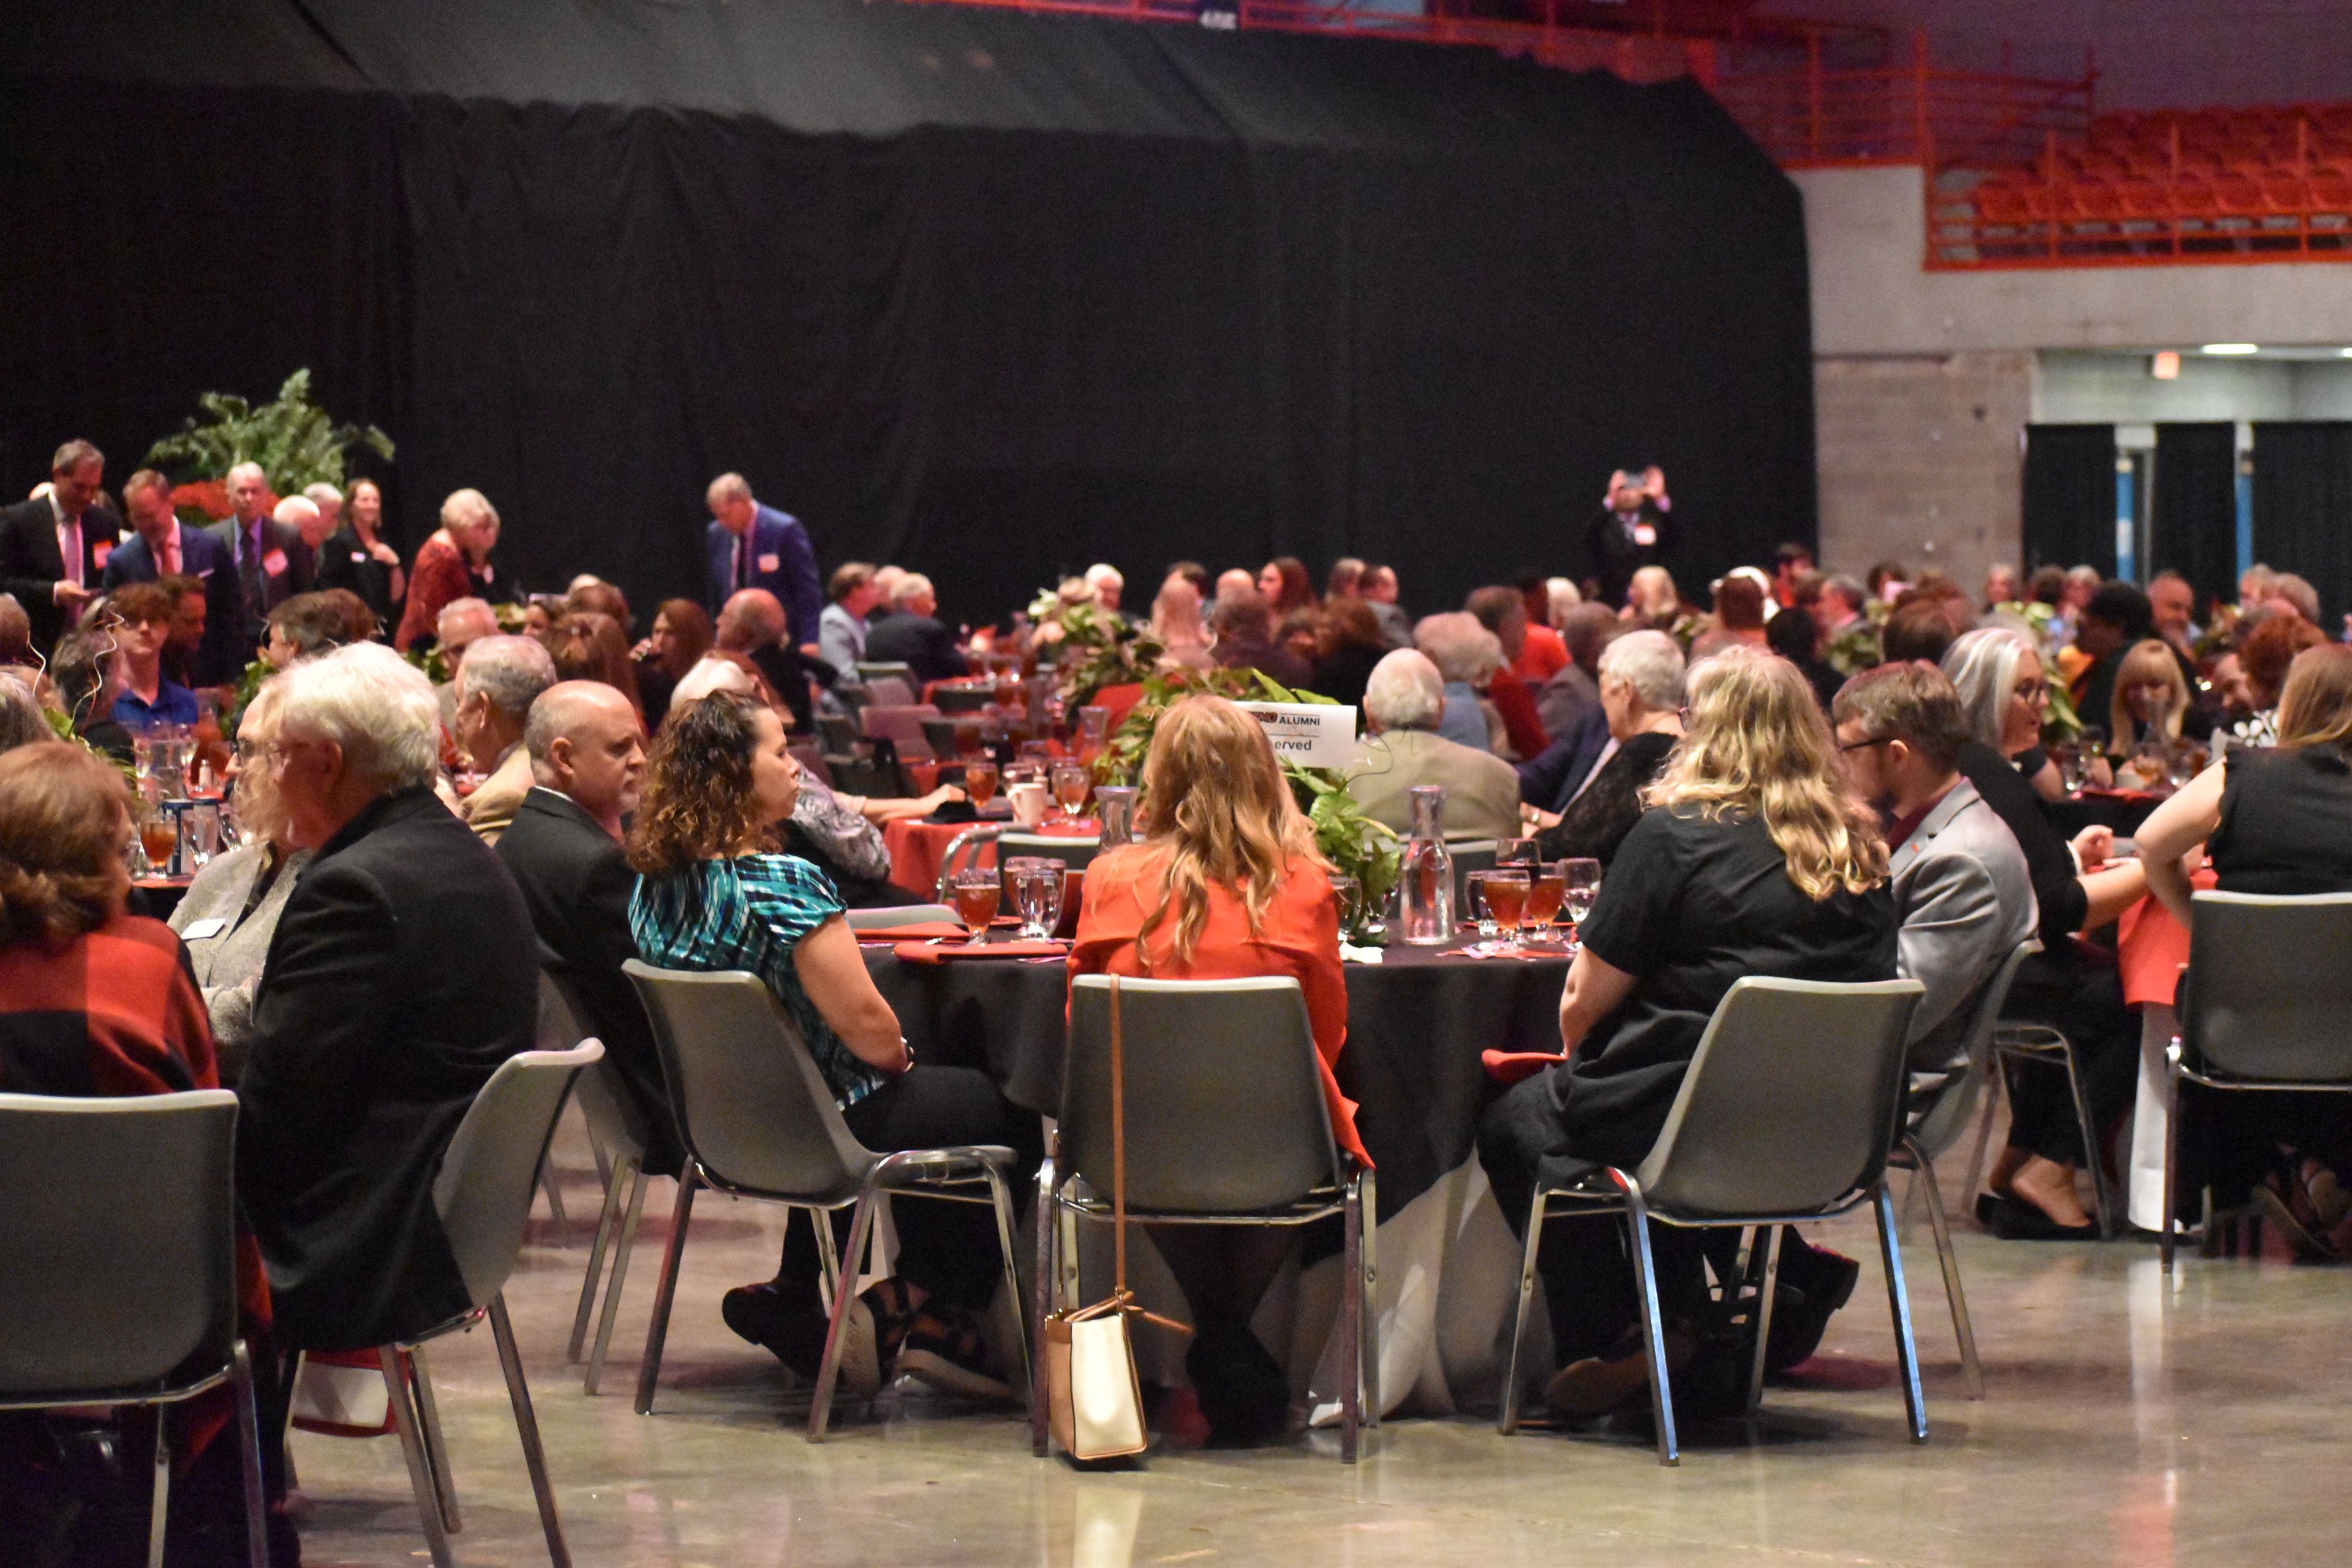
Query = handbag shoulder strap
x=1118 y=1141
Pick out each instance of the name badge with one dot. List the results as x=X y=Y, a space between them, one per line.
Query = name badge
x=274 y=563
x=771 y=562
x=1644 y=536
x=199 y=930
x=99 y=552
x=359 y=555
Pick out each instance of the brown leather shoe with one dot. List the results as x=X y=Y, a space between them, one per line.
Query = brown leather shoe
x=1598 y=1385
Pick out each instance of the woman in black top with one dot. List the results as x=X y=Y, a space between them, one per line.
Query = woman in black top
x=1753 y=858
x=355 y=557
x=2069 y=985
x=1642 y=694
x=2276 y=822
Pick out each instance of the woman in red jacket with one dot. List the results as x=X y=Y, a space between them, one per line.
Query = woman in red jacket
x=1227 y=884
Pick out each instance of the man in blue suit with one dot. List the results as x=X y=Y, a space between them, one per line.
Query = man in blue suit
x=160 y=548
x=755 y=546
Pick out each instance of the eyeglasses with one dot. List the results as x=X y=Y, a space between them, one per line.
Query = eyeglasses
x=274 y=755
x=1863 y=746
x=2031 y=691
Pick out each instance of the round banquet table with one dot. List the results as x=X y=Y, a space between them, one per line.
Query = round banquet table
x=1448 y=1266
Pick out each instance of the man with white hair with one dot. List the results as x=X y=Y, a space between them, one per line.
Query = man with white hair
x=754 y=546
x=329 y=503
x=273 y=563
x=400 y=976
x=461 y=624
x=587 y=763
x=1106 y=583
x=912 y=635
x=1402 y=702
x=497 y=684
x=307 y=517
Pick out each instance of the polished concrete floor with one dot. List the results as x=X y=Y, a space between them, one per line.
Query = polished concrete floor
x=2126 y=1424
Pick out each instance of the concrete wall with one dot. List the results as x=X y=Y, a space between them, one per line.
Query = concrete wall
x=1925 y=381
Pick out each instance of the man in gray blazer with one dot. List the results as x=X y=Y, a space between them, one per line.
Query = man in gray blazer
x=1401 y=702
x=1961 y=889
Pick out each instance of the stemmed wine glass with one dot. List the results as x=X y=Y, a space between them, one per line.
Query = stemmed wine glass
x=976 y=895
x=1580 y=881
x=1545 y=892
x=1072 y=784
x=1506 y=898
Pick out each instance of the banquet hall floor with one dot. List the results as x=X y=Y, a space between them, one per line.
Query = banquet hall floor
x=2124 y=1424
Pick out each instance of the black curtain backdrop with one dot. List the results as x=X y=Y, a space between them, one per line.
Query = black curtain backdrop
x=2070 y=496
x=993 y=296
x=2193 y=507
x=2302 y=506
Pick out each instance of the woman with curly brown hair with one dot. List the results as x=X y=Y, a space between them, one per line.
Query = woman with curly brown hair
x=714 y=893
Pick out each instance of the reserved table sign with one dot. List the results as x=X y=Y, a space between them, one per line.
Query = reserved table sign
x=1312 y=734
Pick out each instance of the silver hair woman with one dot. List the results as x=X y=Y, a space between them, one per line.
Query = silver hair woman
x=2002 y=689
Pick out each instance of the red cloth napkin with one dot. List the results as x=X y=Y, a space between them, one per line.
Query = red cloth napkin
x=927 y=952
x=1510 y=1067
x=922 y=931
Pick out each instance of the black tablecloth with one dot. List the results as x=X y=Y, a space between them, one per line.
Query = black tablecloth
x=2075 y=813
x=1416 y=1023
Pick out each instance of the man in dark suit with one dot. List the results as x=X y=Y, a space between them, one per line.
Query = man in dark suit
x=160 y=548
x=273 y=563
x=912 y=635
x=1628 y=534
x=54 y=547
x=400 y=974
x=587 y=760
x=754 y=546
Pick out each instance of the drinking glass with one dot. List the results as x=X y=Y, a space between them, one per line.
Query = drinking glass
x=157 y=839
x=1072 y=784
x=1545 y=889
x=1473 y=893
x=976 y=895
x=979 y=782
x=1581 y=882
x=204 y=831
x=1037 y=890
x=1344 y=891
x=1036 y=754
x=2070 y=766
x=1507 y=897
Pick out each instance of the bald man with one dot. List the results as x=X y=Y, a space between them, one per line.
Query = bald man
x=752 y=623
x=563 y=846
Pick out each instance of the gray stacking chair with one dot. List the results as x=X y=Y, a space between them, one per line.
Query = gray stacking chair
x=619 y=1131
x=1077 y=854
x=2266 y=1008
x=119 y=1284
x=1787 y=1113
x=964 y=852
x=1468 y=855
x=902 y=725
x=758 y=1121
x=1938 y=1127
x=902 y=915
x=482 y=1195
x=1226 y=1124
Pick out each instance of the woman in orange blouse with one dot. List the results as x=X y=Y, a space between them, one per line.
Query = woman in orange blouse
x=1227 y=884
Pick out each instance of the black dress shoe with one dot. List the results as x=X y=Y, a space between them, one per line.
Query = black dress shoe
x=1988 y=1204
x=1810 y=1292
x=2014 y=1221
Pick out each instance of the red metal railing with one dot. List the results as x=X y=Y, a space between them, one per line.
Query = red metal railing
x=1636 y=57
x=1909 y=113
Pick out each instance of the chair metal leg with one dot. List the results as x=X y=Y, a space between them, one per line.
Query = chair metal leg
x=1508 y=1421
x=2092 y=1151
x=158 y=1505
x=534 y=1454
x=248 y=1438
x=1768 y=1278
x=2171 y=1230
x=1961 y=1329
x=608 y=1216
x=828 y=1256
x=1906 y=1353
x=412 y=1448
x=437 y=1449
x=624 y=1244
x=1654 y=1329
x=1996 y=1084
x=1351 y=1318
x=1041 y=1307
x=1001 y=1200
x=649 y=1372
x=554 y=1193
x=861 y=1227
x=1369 y=1182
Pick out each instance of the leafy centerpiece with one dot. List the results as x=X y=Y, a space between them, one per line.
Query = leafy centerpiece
x=1091 y=648
x=1356 y=845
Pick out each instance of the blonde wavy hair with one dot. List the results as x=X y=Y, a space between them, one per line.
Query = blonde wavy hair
x=1756 y=745
x=1217 y=799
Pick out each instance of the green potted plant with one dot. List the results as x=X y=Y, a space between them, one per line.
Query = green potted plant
x=293 y=439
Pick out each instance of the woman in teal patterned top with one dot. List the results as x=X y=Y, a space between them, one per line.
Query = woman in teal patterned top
x=714 y=894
